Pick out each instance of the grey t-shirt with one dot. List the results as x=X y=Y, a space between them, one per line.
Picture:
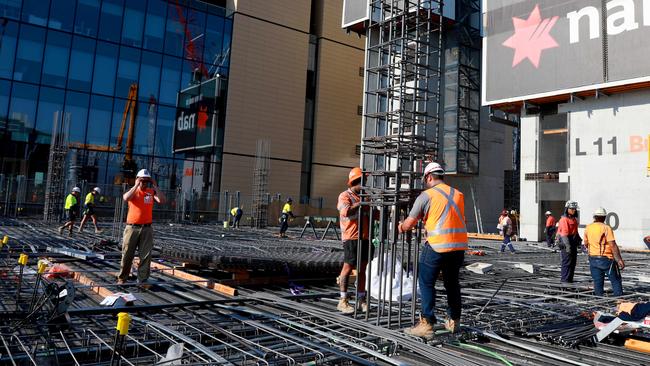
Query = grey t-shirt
x=421 y=206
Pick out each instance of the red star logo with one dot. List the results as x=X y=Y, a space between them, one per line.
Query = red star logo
x=202 y=118
x=531 y=37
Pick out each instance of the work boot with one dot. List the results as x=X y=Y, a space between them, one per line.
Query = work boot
x=423 y=329
x=61 y=228
x=120 y=281
x=98 y=231
x=452 y=325
x=345 y=307
x=80 y=230
x=362 y=305
x=70 y=234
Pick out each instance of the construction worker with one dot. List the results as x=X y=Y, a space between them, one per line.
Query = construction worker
x=284 y=218
x=443 y=210
x=89 y=211
x=236 y=213
x=71 y=210
x=569 y=240
x=506 y=230
x=604 y=255
x=550 y=228
x=138 y=233
x=348 y=206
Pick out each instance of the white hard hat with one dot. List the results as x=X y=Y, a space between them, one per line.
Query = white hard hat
x=433 y=168
x=571 y=204
x=98 y=190
x=143 y=173
x=76 y=189
x=548 y=213
x=600 y=212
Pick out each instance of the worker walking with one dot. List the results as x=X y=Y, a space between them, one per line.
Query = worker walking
x=550 y=229
x=138 y=233
x=89 y=210
x=506 y=230
x=71 y=210
x=236 y=213
x=604 y=255
x=569 y=240
x=443 y=210
x=284 y=217
x=349 y=204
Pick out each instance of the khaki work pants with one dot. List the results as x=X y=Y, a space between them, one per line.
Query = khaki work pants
x=142 y=239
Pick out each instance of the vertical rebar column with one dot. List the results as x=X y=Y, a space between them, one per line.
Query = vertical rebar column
x=259 y=209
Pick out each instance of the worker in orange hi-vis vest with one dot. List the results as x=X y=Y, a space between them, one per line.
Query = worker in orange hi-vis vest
x=568 y=241
x=442 y=209
x=349 y=203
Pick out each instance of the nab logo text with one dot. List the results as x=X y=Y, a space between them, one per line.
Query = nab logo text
x=185 y=122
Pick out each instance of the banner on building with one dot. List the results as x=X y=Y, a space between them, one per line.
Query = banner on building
x=535 y=49
x=196 y=117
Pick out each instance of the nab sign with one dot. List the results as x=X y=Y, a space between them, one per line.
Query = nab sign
x=196 y=117
x=540 y=48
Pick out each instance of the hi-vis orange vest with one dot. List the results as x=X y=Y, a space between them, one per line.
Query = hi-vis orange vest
x=445 y=220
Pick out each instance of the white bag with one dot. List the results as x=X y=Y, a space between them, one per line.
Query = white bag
x=399 y=281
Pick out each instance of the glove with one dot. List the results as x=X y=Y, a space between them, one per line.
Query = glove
x=563 y=243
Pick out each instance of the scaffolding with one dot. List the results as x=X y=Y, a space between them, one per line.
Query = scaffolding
x=55 y=185
x=460 y=137
x=260 y=205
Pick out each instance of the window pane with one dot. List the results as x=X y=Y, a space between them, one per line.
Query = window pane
x=86 y=22
x=55 y=64
x=110 y=23
x=99 y=121
x=169 y=83
x=81 y=63
x=145 y=128
x=62 y=14
x=214 y=43
x=30 y=54
x=4 y=101
x=133 y=23
x=50 y=101
x=149 y=75
x=77 y=105
x=154 y=30
x=8 y=49
x=22 y=111
x=174 y=33
x=227 y=35
x=10 y=9
x=196 y=29
x=105 y=66
x=165 y=131
x=127 y=71
x=35 y=11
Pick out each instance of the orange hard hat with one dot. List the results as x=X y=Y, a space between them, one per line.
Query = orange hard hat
x=355 y=174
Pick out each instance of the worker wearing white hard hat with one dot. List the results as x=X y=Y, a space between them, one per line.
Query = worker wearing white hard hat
x=71 y=210
x=89 y=209
x=550 y=229
x=604 y=255
x=138 y=233
x=442 y=208
x=569 y=240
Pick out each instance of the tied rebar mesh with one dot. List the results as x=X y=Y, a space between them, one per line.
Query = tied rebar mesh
x=55 y=185
x=260 y=184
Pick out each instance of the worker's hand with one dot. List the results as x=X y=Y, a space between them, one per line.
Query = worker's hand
x=355 y=205
x=621 y=264
x=154 y=183
x=138 y=182
x=399 y=227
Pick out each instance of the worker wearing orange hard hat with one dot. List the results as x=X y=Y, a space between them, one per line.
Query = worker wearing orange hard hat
x=348 y=205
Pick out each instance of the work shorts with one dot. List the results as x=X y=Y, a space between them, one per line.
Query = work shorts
x=90 y=210
x=71 y=215
x=350 y=251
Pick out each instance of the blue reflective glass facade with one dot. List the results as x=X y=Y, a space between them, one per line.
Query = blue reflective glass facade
x=80 y=57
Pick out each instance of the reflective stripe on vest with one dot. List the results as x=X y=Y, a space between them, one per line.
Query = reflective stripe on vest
x=449 y=233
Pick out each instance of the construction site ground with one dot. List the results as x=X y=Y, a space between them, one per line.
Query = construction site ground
x=246 y=297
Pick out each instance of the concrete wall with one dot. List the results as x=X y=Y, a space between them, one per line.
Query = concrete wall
x=615 y=179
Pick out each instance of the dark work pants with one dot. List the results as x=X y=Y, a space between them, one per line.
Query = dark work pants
x=237 y=220
x=550 y=235
x=284 y=223
x=569 y=259
x=506 y=241
x=430 y=265
x=600 y=267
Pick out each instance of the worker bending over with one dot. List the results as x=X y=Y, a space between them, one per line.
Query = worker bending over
x=71 y=210
x=348 y=205
x=138 y=233
x=569 y=240
x=284 y=218
x=89 y=210
x=442 y=208
x=604 y=255
x=550 y=229
x=236 y=214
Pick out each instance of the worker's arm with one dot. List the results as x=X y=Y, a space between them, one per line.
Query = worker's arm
x=158 y=194
x=617 y=254
x=129 y=194
x=420 y=207
x=346 y=207
x=563 y=233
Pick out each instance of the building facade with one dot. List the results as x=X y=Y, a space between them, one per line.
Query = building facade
x=185 y=89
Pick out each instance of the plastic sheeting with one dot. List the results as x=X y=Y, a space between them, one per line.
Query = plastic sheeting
x=399 y=281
